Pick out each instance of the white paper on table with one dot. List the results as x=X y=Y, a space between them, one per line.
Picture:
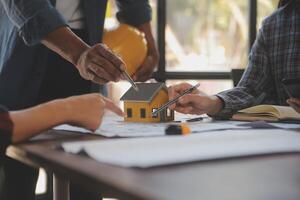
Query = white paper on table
x=66 y=127
x=157 y=151
x=286 y=125
x=114 y=126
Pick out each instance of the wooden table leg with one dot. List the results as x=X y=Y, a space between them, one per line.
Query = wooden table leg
x=61 y=188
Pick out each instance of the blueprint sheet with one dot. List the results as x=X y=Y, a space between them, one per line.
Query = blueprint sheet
x=114 y=126
x=156 y=151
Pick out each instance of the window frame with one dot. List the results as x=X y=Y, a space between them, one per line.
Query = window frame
x=127 y=111
x=143 y=113
x=153 y=110
x=169 y=113
x=161 y=75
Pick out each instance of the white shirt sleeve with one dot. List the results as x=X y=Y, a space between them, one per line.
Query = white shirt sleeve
x=72 y=12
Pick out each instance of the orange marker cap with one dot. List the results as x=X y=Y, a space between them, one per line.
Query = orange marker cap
x=185 y=129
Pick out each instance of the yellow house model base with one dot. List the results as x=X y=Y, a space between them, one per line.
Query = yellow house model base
x=139 y=106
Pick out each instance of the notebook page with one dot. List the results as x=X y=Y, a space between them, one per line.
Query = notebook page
x=287 y=112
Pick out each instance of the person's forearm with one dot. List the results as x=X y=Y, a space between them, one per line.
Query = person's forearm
x=147 y=68
x=65 y=43
x=146 y=29
x=97 y=63
x=216 y=106
x=29 y=122
x=236 y=99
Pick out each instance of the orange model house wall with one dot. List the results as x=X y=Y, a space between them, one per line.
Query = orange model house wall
x=140 y=111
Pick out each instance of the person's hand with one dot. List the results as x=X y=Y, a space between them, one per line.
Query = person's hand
x=100 y=65
x=87 y=110
x=146 y=70
x=294 y=103
x=196 y=103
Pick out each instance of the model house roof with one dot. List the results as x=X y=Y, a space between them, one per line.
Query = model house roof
x=146 y=93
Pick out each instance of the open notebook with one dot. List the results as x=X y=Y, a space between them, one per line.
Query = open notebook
x=267 y=113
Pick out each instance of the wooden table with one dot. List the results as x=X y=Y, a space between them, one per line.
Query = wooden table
x=260 y=177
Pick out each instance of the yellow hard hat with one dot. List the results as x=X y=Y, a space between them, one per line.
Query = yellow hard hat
x=129 y=43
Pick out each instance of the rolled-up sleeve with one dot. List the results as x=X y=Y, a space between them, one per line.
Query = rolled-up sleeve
x=134 y=12
x=34 y=19
x=6 y=127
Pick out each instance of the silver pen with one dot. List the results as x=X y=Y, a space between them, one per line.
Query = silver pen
x=175 y=100
x=130 y=80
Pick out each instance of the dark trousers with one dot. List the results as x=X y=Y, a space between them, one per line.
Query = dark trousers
x=20 y=180
x=61 y=80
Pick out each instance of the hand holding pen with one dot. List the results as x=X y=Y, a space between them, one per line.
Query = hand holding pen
x=196 y=103
x=176 y=99
x=101 y=65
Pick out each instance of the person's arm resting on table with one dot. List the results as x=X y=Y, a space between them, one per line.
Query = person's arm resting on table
x=85 y=111
x=294 y=103
x=39 y=22
x=138 y=13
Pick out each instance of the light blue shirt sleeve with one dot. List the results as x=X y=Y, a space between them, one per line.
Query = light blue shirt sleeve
x=34 y=19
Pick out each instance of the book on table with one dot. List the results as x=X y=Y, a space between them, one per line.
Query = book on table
x=272 y=113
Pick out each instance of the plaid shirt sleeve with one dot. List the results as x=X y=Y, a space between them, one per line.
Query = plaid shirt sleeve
x=256 y=85
x=5 y=131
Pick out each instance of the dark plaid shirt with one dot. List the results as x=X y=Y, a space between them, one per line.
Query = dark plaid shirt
x=275 y=55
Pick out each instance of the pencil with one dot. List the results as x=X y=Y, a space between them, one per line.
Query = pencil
x=166 y=105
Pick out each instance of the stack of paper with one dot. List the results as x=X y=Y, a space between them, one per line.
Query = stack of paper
x=156 y=151
x=114 y=126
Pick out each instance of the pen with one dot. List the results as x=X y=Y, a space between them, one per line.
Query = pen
x=195 y=119
x=129 y=79
x=190 y=90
